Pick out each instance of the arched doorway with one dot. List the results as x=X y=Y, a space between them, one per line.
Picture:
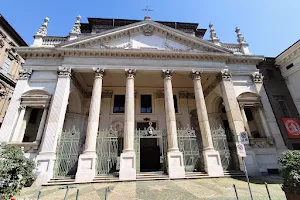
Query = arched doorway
x=223 y=139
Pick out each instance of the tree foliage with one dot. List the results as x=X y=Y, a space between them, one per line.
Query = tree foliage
x=16 y=171
x=290 y=171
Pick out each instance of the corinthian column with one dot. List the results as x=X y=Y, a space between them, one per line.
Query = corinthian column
x=212 y=159
x=175 y=158
x=128 y=159
x=87 y=161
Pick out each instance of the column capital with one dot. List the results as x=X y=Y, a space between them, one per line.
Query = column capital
x=22 y=107
x=25 y=74
x=257 y=77
x=99 y=73
x=224 y=75
x=167 y=73
x=64 y=71
x=130 y=73
x=195 y=74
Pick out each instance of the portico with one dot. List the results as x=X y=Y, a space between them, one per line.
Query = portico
x=138 y=98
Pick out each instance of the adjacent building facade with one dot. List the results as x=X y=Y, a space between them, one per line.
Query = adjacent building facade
x=124 y=96
x=10 y=62
x=280 y=98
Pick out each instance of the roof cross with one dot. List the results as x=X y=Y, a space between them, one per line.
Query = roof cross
x=147 y=10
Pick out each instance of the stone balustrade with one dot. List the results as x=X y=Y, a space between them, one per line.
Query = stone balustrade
x=262 y=142
x=53 y=41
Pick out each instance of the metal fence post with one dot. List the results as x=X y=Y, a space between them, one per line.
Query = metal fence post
x=268 y=190
x=77 y=194
x=39 y=195
x=236 y=194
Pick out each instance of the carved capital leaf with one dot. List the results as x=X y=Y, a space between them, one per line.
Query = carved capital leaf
x=130 y=73
x=25 y=74
x=167 y=73
x=64 y=71
x=224 y=75
x=99 y=73
x=257 y=77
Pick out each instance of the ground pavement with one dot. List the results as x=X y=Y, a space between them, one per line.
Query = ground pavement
x=211 y=188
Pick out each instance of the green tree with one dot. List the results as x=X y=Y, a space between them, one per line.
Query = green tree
x=290 y=171
x=16 y=171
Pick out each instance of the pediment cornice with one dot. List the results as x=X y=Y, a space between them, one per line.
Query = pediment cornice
x=148 y=28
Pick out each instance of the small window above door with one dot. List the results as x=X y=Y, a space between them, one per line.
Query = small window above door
x=146 y=103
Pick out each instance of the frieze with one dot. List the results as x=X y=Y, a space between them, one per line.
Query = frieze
x=167 y=46
x=107 y=94
x=183 y=94
x=159 y=94
x=25 y=74
x=135 y=55
x=124 y=46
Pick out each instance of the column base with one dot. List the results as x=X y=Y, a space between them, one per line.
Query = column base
x=175 y=165
x=45 y=167
x=86 y=167
x=127 y=166
x=212 y=163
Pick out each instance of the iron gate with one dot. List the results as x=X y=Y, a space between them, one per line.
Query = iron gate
x=188 y=145
x=225 y=145
x=70 y=146
x=107 y=151
x=150 y=132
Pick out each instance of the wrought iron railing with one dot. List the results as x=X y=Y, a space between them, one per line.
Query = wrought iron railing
x=107 y=151
x=189 y=146
x=70 y=146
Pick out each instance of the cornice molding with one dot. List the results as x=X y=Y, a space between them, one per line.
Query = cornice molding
x=137 y=54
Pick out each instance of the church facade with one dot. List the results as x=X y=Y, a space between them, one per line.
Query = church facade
x=123 y=97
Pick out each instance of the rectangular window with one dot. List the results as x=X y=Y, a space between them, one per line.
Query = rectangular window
x=175 y=103
x=146 y=104
x=6 y=65
x=284 y=108
x=119 y=104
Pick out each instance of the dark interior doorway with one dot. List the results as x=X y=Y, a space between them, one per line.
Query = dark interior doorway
x=149 y=151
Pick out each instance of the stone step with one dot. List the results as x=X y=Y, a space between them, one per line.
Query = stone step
x=60 y=180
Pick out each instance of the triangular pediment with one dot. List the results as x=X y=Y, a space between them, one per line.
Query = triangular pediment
x=145 y=35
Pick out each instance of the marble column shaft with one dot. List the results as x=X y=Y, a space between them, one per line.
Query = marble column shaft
x=18 y=127
x=129 y=111
x=94 y=112
x=202 y=111
x=42 y=125
x=170 y=111
x=233 y=112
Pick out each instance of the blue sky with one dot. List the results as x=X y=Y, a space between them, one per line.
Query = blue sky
x=269 y=26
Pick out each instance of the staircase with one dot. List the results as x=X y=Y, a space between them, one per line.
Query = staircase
x=148 y=176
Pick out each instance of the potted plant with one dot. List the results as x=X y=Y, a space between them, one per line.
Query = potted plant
x=290 y=172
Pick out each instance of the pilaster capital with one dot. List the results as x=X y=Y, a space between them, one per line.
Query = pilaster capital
x=99 y=73
x=64 y=71
x=25 y=74
x=224 y=75
x=195 y=74
x=257 y=77
x=130 y=73
x=167 y=73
